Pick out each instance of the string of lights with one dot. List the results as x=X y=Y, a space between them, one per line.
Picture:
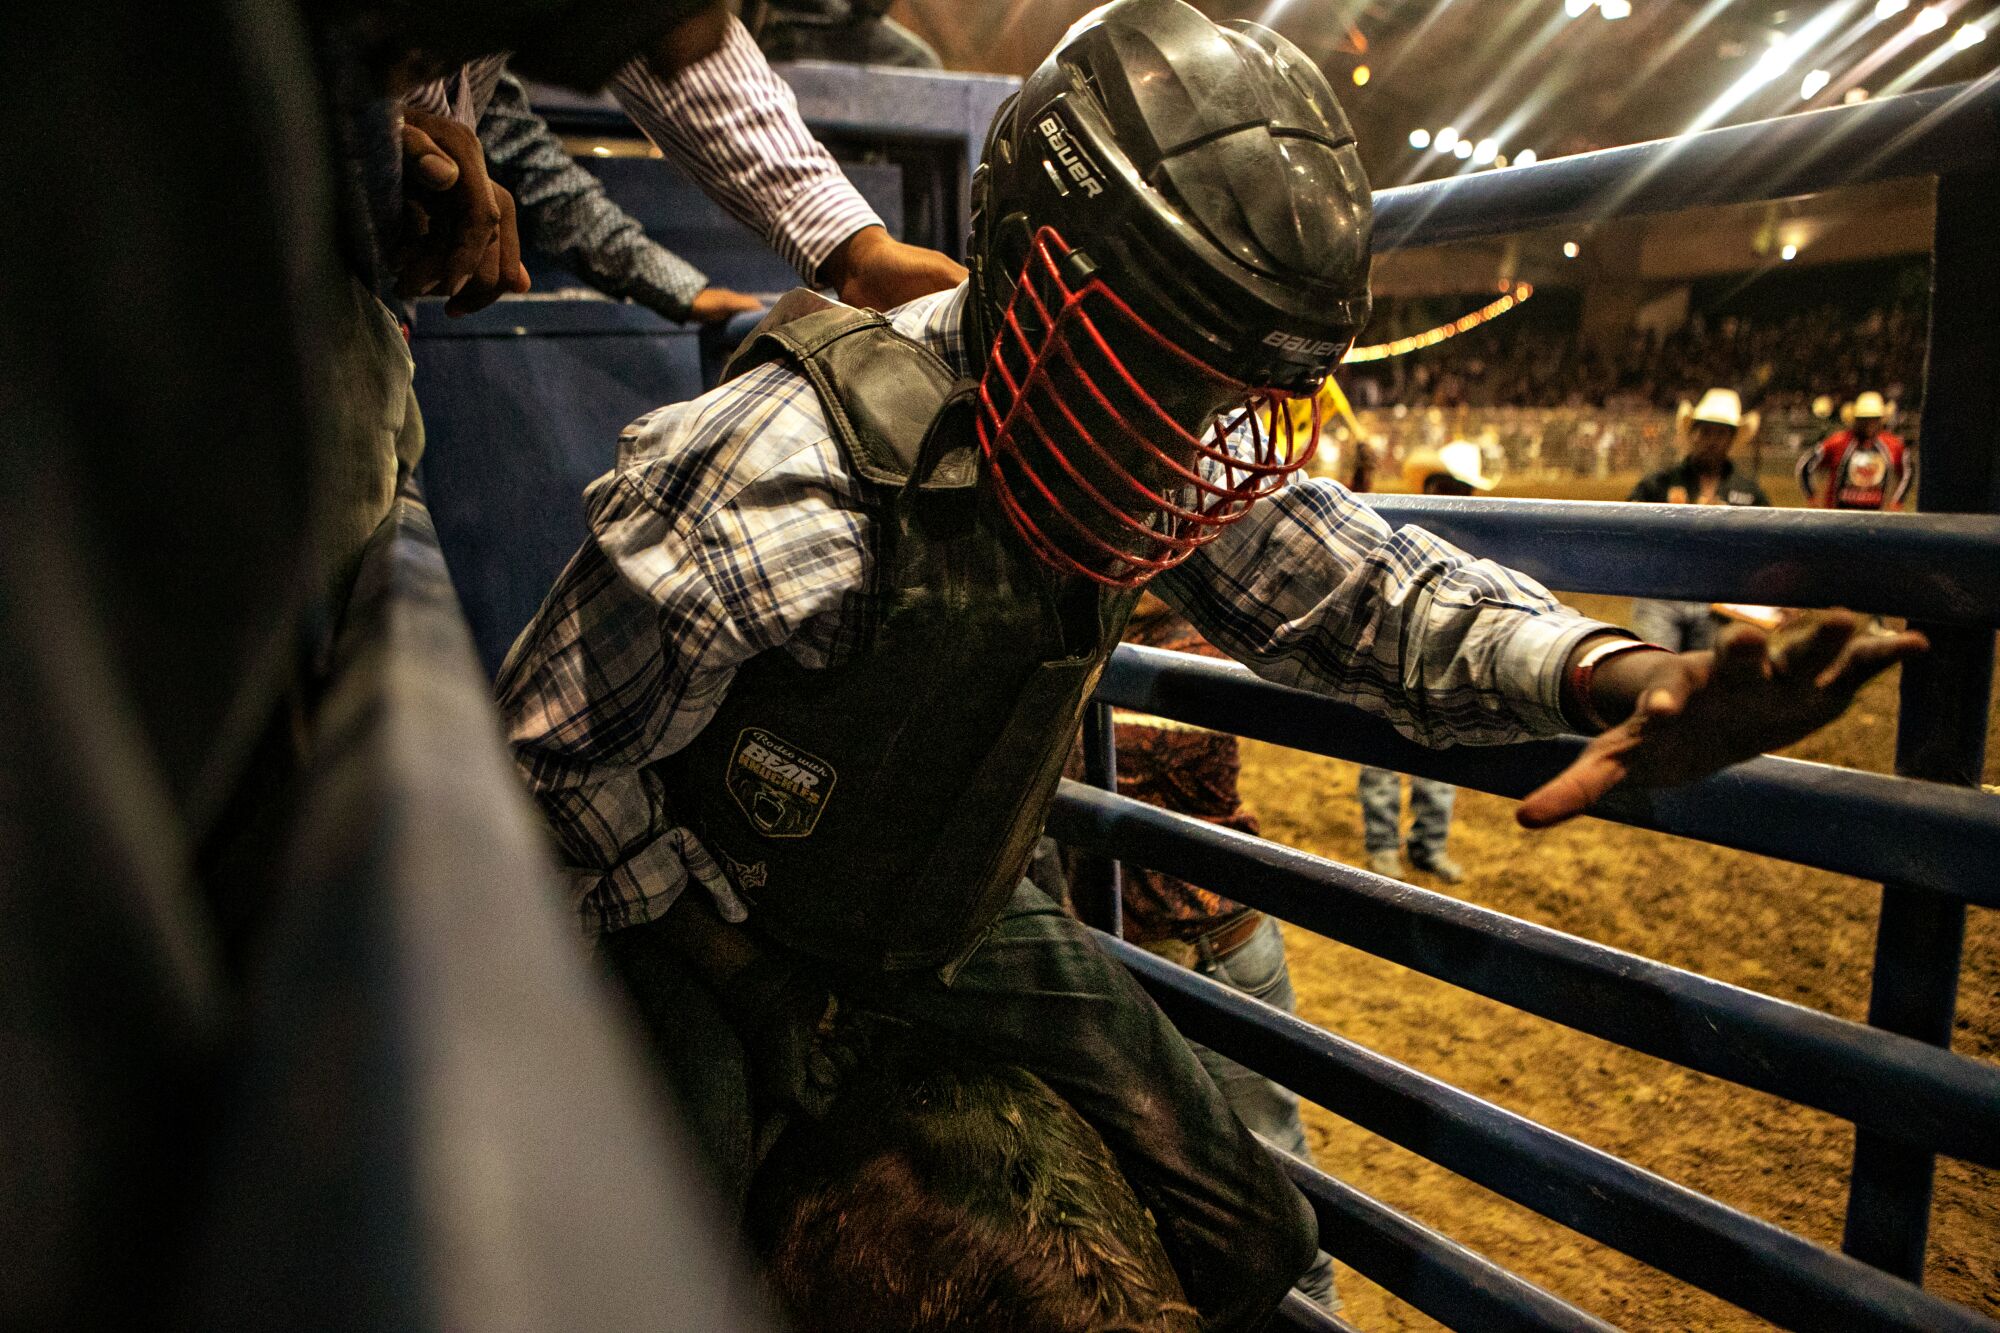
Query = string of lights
x=1416 y=342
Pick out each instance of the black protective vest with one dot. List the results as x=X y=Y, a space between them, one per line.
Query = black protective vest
x=879 y=811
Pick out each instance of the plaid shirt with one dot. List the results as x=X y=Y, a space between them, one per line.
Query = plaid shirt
x=732 y=527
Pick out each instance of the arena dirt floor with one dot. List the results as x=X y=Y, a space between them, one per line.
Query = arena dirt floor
x=1798 y=934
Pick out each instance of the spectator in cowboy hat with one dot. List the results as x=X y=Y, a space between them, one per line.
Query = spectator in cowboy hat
x=1710 y=429
x=1862 y=467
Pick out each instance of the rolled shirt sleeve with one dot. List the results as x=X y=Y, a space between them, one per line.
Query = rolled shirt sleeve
x=734 y=125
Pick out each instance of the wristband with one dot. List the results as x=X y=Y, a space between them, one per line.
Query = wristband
x=1584 y=671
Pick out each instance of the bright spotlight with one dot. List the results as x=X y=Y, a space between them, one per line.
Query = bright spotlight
x=1500 y=161
x=1576 y=9
x=1615 y=9
x=1420 y=138
x=1855 y=96
x=1789 y=253
x=600 y=150
x=1888 y=9
x=1771 y=64
x=1447 y=139
x=1929 y=19
x=1462 y=149
x=1485 y=151
x=1967 y=36
x=1571 y=249
x=1527 y=157
x=1361 y=76
x=1814 y=83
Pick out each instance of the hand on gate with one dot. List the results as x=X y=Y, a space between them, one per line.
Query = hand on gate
x=460 y=238
x=875 y=270
x=1694 y=713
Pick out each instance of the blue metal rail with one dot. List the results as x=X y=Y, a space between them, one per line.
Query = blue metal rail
x=1928 y=834
x=1869 y=825
x=1941 y=132
x=1903 y=1088
x=1942 y=568
x=1748 y=1262
x=1431 y=1271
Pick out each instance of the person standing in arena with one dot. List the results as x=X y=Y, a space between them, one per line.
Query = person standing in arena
x=1861 y=467
x=1456 y=469
x=1704 y=476
x=827 y=646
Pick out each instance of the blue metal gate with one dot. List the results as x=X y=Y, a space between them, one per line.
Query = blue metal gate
x=1929 y=834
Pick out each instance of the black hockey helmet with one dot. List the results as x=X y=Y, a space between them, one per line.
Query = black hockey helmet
x=1170 y=235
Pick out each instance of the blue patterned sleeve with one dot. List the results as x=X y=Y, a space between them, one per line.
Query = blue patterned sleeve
x=1315 y=590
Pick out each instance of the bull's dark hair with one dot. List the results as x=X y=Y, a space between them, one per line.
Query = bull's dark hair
x=963 y=1198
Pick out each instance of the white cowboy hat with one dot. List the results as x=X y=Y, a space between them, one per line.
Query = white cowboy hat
x=1720 y=407
x=1870 y=404
x=1461 y=460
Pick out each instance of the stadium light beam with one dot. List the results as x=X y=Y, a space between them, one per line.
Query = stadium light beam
x=1447 y=139
x=1780 y=57
x=1813 y=84
x=1968 y=36
x=1485 y=151
x=1462 y=149
x=1527 y=157
x=1929 y=19
x=1420 y=139
x=1888 y=9
x=1576 y=9
x=1615 y=9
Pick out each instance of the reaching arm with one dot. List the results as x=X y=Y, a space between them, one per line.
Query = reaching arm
x=1315 y=590
x=735 y=126
x=564 y=211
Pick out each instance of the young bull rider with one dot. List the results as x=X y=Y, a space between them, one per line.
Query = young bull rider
x=796 y=710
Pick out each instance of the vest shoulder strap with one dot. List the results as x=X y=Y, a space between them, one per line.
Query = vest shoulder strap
x=886 y=397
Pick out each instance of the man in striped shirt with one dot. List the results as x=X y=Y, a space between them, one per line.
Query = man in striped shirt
x=733 y=124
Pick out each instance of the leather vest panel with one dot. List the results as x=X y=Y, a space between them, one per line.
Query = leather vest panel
x=879 y=811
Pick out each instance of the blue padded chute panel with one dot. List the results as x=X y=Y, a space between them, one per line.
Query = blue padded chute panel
x=522 y=405
x=674 y=212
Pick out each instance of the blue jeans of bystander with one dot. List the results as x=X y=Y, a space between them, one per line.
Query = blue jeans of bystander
x=1381 y=794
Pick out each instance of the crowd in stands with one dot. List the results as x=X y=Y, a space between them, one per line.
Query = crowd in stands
x=1778 y=364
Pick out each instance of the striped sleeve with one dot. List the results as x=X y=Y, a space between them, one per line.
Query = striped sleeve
x=735 y=126
x=463 y=94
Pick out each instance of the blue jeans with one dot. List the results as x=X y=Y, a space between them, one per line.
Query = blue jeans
x=1685 y=627
x=1257 y=968
x=1381 y=793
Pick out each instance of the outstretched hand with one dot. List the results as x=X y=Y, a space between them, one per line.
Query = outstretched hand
x=1700 y=712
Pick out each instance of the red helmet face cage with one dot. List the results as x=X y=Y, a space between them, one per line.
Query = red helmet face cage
x=1096 y=473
